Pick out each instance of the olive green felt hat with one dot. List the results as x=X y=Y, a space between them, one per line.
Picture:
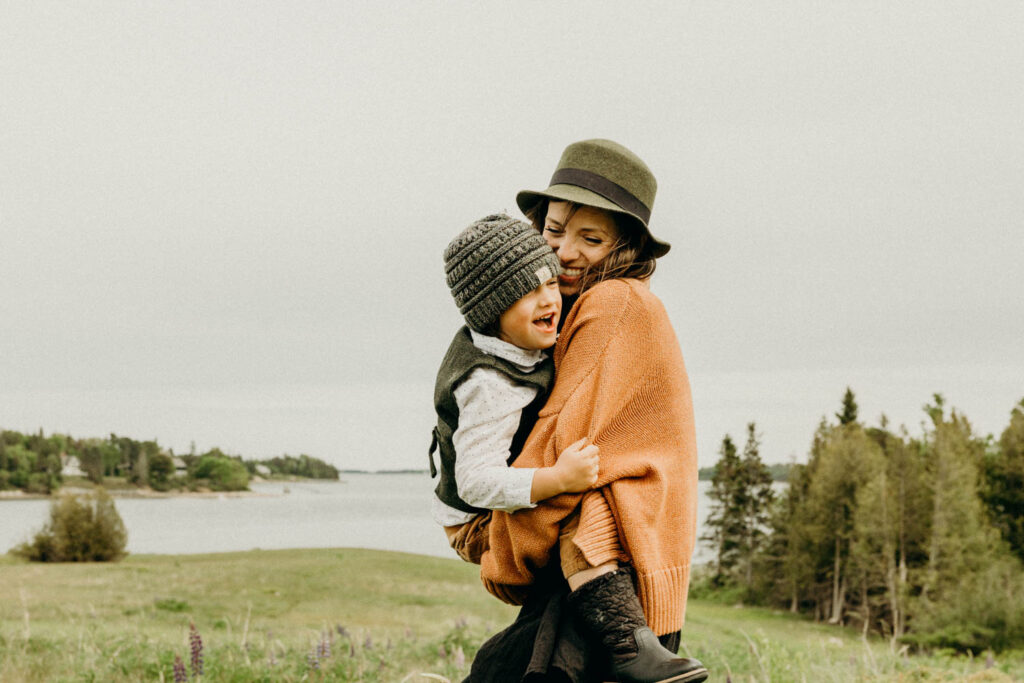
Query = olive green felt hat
x=605 y=175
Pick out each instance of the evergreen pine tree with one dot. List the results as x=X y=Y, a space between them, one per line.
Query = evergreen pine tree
x=741 y=498
x=892 y=518
x=783 y=562
x=756 y=497
x=725 y=521
x=872 y=548
x=849 y=413
x=840 y=464
x=806 y=553
x=970 y=594
x=960 y=536
x=1003 y=488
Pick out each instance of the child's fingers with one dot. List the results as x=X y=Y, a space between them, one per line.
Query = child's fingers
x=580 y=444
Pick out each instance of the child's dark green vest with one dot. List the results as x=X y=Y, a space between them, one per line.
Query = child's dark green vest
x=462 y=358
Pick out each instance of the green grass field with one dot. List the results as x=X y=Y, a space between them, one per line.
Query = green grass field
x=273 y=616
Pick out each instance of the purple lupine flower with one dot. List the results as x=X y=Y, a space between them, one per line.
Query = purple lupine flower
x=351 y=649
x=460 y=657
x=179 y=670
x=368 y=643
x=441 y=652
x=196 y=646
x=312 y=661
x=341 y=630
x=325 y=645
x=408 y=633
x=272 y=660
x=461 y=622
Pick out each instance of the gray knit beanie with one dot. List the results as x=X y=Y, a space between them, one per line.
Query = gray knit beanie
x=492 y=264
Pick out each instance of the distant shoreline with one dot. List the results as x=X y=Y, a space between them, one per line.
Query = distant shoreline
x=147 y=493
x=137 y=493
x=383 y=471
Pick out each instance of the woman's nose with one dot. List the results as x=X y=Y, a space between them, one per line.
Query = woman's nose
x=567 y=252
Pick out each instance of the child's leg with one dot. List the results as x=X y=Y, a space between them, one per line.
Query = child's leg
x=600 y=537
x=575 y=568
x=470 y=540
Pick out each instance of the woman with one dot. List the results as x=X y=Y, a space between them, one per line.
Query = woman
x=621 y=382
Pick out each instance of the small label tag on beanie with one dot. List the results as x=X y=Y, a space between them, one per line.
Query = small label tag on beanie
x=543 y=274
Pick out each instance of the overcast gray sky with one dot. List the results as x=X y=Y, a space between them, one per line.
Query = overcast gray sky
x=223 y=222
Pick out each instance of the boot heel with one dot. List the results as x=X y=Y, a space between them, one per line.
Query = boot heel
x=654 y=664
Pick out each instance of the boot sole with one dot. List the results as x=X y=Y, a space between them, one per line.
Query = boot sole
x=694 y=676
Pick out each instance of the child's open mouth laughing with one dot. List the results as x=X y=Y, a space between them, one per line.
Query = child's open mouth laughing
x=546 y=324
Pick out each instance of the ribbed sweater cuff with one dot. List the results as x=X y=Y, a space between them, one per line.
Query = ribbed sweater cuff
x=600 y=546
x=598 y=535
x=663 y=597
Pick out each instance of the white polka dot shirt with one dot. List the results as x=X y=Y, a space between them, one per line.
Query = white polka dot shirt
x=490 y=407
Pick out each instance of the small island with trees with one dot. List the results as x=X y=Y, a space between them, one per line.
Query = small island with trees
x=35 y=463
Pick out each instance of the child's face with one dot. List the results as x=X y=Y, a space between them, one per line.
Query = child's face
x=532 y=322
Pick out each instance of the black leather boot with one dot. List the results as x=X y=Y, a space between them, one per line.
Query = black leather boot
x=609 y=608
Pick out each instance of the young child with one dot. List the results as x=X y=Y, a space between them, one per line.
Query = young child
x=494 y=379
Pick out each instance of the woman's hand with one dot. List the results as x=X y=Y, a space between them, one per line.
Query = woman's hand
x=575 y=471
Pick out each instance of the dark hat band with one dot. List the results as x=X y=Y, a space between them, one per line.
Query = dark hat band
x=606 y=188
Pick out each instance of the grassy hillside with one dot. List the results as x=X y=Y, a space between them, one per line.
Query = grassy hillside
x=360 y=615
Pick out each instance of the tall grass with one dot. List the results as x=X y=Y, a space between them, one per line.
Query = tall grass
x=358 y=615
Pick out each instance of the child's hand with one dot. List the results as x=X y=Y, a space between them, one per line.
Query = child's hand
x=577 y=466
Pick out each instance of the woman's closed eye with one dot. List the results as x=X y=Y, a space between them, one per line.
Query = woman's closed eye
x=553 y=230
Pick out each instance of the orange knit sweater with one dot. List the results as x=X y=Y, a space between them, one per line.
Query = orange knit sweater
x=620 y=380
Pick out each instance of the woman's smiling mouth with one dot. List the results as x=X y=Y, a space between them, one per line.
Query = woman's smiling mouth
x=570 y=274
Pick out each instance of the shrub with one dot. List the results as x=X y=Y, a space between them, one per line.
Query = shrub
x=161 y=471
x=41 y=482
x=84 y=528
x=703 y=586
x=224 y=474
x=985 y=611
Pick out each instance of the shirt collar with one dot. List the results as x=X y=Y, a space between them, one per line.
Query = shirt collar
x=526 y=358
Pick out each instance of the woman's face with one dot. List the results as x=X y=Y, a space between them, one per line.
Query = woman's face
x=580 y=241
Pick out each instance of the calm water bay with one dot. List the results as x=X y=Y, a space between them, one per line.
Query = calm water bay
x=381 y=511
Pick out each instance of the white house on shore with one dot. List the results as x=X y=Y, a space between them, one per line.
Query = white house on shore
x=71 y=466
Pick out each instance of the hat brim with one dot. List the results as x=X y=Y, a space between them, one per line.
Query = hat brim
x=528 y=199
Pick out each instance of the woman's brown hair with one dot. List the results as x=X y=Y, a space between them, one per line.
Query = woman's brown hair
x=628 y=257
